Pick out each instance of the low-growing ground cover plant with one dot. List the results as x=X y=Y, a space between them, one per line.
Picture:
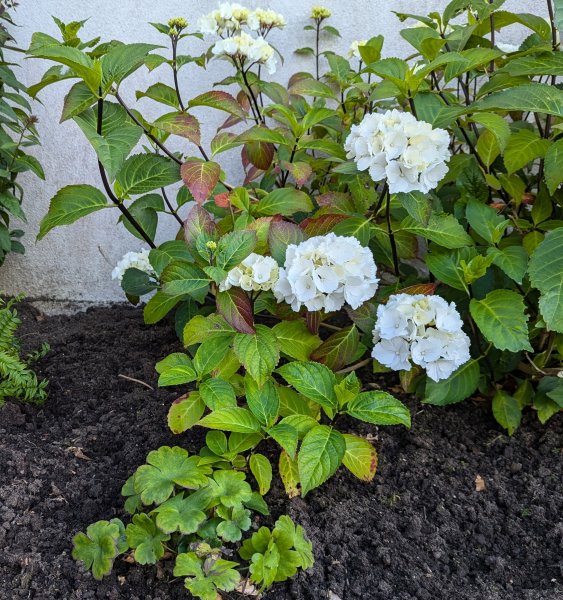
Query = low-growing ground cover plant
x=17 y=379
x=17 y=132
x=399 y=214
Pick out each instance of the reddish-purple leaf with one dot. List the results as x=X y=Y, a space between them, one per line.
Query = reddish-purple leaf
x=301 y=171
x=197 y=222
x=260 y=154
x=222 y=200
x=200 y=177
x=180 y=124
x=282 y=234
x=338 y=200
x=321 y=225
x=236 y=307
x=252 y=174
x=221 y=101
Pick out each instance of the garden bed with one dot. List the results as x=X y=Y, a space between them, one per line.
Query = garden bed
x=421 y=530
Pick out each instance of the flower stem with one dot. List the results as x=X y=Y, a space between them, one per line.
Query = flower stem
x=391 y=234
x=313 y=319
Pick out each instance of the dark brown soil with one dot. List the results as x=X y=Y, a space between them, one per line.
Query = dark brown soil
x=420 y=531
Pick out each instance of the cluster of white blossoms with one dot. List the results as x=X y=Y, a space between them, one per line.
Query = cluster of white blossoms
x=245 y=48
x=230 y=18
x=354 y=50
x=397 y=147
x=424 y=329
x=133 y=260
x=326 y=271
x=255 y=273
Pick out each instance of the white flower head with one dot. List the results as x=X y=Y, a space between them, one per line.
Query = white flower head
x=133 y=260
x=247 y=49
x=423 y=329
x=326 y=271
x=354 y=50
x=264 y=20
x=409 y=154
x=226 y=20
x=255 y=273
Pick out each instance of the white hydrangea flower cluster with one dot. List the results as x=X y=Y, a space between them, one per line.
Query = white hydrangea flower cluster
x=326 y=271
x=136 y=260
x=255 y=273
x=395 y=146
x=228 y=19
x=264 y=20
x=424 y=329
x=354 y=51
x=247 y=49
x=225 y=20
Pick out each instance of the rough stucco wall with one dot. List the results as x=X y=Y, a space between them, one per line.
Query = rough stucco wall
x=75 y=262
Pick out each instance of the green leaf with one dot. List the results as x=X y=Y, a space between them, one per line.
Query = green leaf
x=70 y=204
x=262 y=470
x=457 y=387
x=502 y=320
x=523 y=147
x=379 y=408
x=231 y=488
x=142 y=173
x=183 y=514
x=166 y=468
x=295 y=340
x=445 y=265
x=443 y=229
x=496 y=124
x=289 y=474
x=211 y=354
x=234 y=247
x=161 y=93
x=144 y=536
x=513 y=260
x=264 y=401
x=145 y=210
x=233 y=418
x=546 y=274
x=311 y=87
x=200 y=177
x=99 y=546
x=259 y=352
x=485 y=221
x=201 y=328
x=280 y=235
x=123 y=59
x=173 y=250
x=176 y=369
x=314 y=380
x=417 y=204
x=219 y=575
x=535 y=97
x=236 y=521
x=357 y=227
x=221 y=101
x=286 y=436
x=340 y=349
x=507 y=411
x=180 y=278
x=553 y=160
x=217 y=393
x=546 y=64
x=181 y=124
x=360 y=457
x=284 y=201
x=158 y=307
x=321 y=454
x=78 y=99
x=185 y=412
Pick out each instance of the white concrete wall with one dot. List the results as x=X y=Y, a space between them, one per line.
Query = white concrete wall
x=75 y=262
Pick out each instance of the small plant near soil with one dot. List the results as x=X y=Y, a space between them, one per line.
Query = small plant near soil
x=17 y=379
x=398 y=215
x=197 y=508
x=17 y=132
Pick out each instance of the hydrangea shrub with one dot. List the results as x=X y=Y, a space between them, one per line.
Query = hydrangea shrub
x=390 y=214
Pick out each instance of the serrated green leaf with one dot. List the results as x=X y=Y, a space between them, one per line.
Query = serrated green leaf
x=360 y=457
x=320 y=455
x=284 y=201
x=295 y=340
x=210 y=354
x=99 y=546
x=259 y=352
x=502 y=320
x=513 y=260
x=233 y=418
x=443 y=229
x=144 y=536
x=507 y=411
x=379 y=408
x=185 y=412
x=263 y=401
x=524 y=146
x=457 y=387
x=313 y=380
x=262 y=470
x=143 y=173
